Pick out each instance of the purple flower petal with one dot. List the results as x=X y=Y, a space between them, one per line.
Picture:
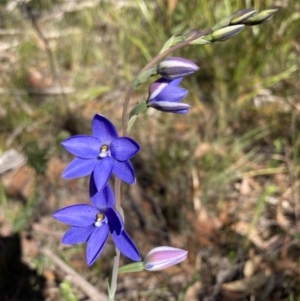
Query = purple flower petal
x=181 y=112
x=176 y=81
x=159 y=87
x=126 y=245
x=81 y=215
x=115 y=221
x=102 y=172
x=172 y=94
x=92 y=188
x=82 y=146
x=103 y=129
x=77 y=235
x=172 y=107
x=124 y=171
x=79 y=168
x=124 y=148
x=96 y=243
x=104 y=199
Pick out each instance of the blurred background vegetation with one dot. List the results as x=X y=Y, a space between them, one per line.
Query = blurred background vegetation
x=221 y=182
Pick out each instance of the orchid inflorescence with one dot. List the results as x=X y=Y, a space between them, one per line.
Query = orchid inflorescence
x=104 y=153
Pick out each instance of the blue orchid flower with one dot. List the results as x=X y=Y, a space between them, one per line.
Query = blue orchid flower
x=166 y=96
x=101 y=154
x=93 y=223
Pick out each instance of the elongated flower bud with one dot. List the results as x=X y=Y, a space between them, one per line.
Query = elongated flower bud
x=261 y=17
x=174 y=67
x=242 y=15
x=163 y=257
x=226 y=32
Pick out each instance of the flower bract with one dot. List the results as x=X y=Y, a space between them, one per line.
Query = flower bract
x=165 y=95
x=93 y=223
x=101 y=154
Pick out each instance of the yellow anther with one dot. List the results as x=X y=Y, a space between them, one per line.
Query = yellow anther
x=100 y=217
x=104 y=148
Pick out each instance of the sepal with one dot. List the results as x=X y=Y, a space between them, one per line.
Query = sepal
x=174 y=40
x=222 y=23
x=200 y=41
x=143 y=77
x=138 y=108
x=132 y=267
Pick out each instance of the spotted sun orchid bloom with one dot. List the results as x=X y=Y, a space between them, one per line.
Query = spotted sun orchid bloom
x=165 y=95
x=174 y=67
x=101 y=154
x=163 y=257
x=93 y=223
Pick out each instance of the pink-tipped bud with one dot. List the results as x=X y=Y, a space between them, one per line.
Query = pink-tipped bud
x=163 y=257
x=174 y=67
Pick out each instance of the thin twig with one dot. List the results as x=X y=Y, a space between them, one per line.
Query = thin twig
x=78 y=280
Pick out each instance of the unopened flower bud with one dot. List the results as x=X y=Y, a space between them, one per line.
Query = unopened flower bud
x=174 y=67
x=163 y=257
x=261 y=17
x=241 y=16
x=226 y=32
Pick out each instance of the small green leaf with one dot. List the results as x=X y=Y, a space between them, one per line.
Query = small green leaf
x=222 y=23
x=138 y=108
x=174 y=40
x=144 y=76
x=167 y=45
x=132 y=267
x=131 y=122
x=199 y=41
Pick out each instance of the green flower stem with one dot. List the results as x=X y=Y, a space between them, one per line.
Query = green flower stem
x=114 y=275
